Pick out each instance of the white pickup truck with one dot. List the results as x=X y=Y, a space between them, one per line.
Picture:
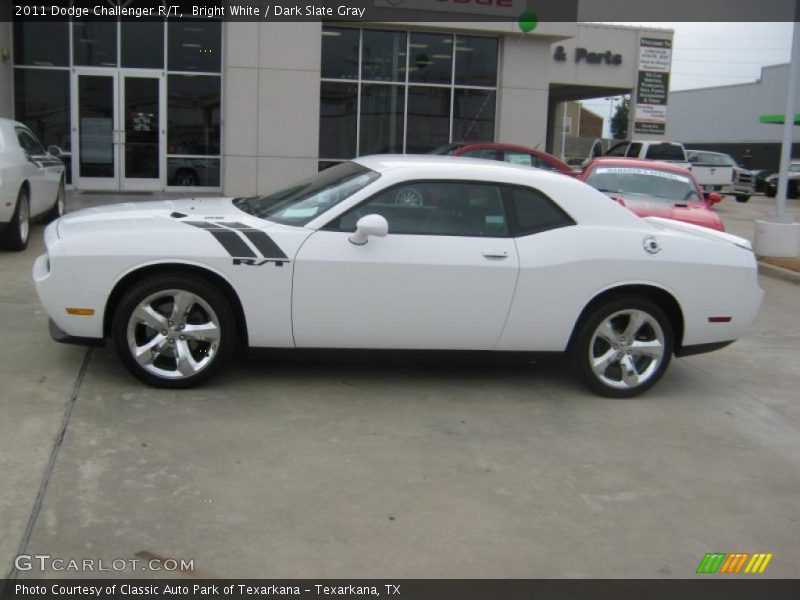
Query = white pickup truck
x=710 y=177
x=718 y=172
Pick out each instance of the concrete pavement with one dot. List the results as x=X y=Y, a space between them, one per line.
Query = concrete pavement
x=281 y=469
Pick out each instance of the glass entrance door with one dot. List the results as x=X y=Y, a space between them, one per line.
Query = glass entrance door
x=142 y=132
x=96 y=155
x=119 y=132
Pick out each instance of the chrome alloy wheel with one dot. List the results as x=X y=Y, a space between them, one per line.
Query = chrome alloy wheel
x=23 y=218
x=173 y=334
x=627 y=349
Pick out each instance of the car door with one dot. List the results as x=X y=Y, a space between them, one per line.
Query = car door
x=41 y=171
x=443 y=278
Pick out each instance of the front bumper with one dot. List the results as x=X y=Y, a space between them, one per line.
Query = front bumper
x=61 y=336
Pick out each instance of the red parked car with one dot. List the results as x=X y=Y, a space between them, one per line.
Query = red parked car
x=509 y=153
x=654 y=189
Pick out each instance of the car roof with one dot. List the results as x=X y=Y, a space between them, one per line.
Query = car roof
x=457 y=164
x=639 y=162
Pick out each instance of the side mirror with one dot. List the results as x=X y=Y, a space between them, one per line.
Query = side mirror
x=713 y=198
x=369 y=225
x=54 y=151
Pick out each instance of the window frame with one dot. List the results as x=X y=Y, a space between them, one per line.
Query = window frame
x=406 y=83
x=515 y=230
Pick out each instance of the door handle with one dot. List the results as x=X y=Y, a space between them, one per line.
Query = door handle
x=495 y=255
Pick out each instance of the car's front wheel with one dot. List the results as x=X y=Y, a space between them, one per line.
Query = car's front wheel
x=174 y=330
x=742 y=198
x=624 y=347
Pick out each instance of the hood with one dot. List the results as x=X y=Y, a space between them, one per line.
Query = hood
x=696 y=213
x=153 y=216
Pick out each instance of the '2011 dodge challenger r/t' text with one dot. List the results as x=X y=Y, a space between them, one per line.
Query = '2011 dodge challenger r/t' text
x=398 y=253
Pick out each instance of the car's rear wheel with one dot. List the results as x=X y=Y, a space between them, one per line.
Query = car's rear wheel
x=624 y=347
x=60 y=204
x=174 y=330
x=742 y=198
x=17 y=231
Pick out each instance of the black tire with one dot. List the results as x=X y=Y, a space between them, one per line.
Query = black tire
x=17 y=232
x=742 y=198
x=589 y=343
x=771 y=191
x=164 y=369
x=60 y=205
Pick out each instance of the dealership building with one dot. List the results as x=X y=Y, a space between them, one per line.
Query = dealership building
x=728 y=118
x=246 y=107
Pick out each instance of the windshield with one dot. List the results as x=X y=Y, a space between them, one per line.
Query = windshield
x=300 y=203
x=653 y=183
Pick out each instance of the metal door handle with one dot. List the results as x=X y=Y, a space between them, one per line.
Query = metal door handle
x=495 y=255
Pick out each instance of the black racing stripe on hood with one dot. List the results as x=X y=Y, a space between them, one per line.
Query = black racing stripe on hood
x=229 y=240
x=265 y=244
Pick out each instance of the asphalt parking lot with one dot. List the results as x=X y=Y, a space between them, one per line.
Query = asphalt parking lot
x=283 y=470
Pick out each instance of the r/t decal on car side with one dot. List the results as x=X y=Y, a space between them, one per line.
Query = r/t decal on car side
x=234 y=237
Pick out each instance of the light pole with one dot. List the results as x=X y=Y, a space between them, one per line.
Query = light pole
x=778 y=235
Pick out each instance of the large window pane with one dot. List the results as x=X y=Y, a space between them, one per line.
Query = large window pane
x=476 y=61
x=473 y=115
x=142 y=126
x=41 y=43
x=339 y=53
x=94 y=43
x=381 y=119
x=195 y=46
x=143 y=44
x=338 y=111
x=41 y=101
x=193 y=172
x=383 y=55
x=428 y=118
x=96 y=125
x=431 y=58
x=193 y=109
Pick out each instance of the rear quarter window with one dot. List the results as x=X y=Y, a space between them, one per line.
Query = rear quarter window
x=534 y=212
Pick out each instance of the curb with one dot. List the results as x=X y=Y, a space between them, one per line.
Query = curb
x=778 y=273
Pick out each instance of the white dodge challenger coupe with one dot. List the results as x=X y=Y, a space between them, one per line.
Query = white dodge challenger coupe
x=398 y=253
x=31 y=183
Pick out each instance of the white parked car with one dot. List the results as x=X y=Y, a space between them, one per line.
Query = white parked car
x=31 y=183
x=392 y=252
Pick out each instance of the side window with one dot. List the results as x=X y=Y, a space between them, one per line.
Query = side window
x=618 y=150
x=486 y=153
x=634 y=149
x=535 y=212
x=434 y=208
x=29 y=143
x=520 y=158
x=542 y=164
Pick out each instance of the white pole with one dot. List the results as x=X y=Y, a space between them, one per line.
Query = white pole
x=781 y=216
